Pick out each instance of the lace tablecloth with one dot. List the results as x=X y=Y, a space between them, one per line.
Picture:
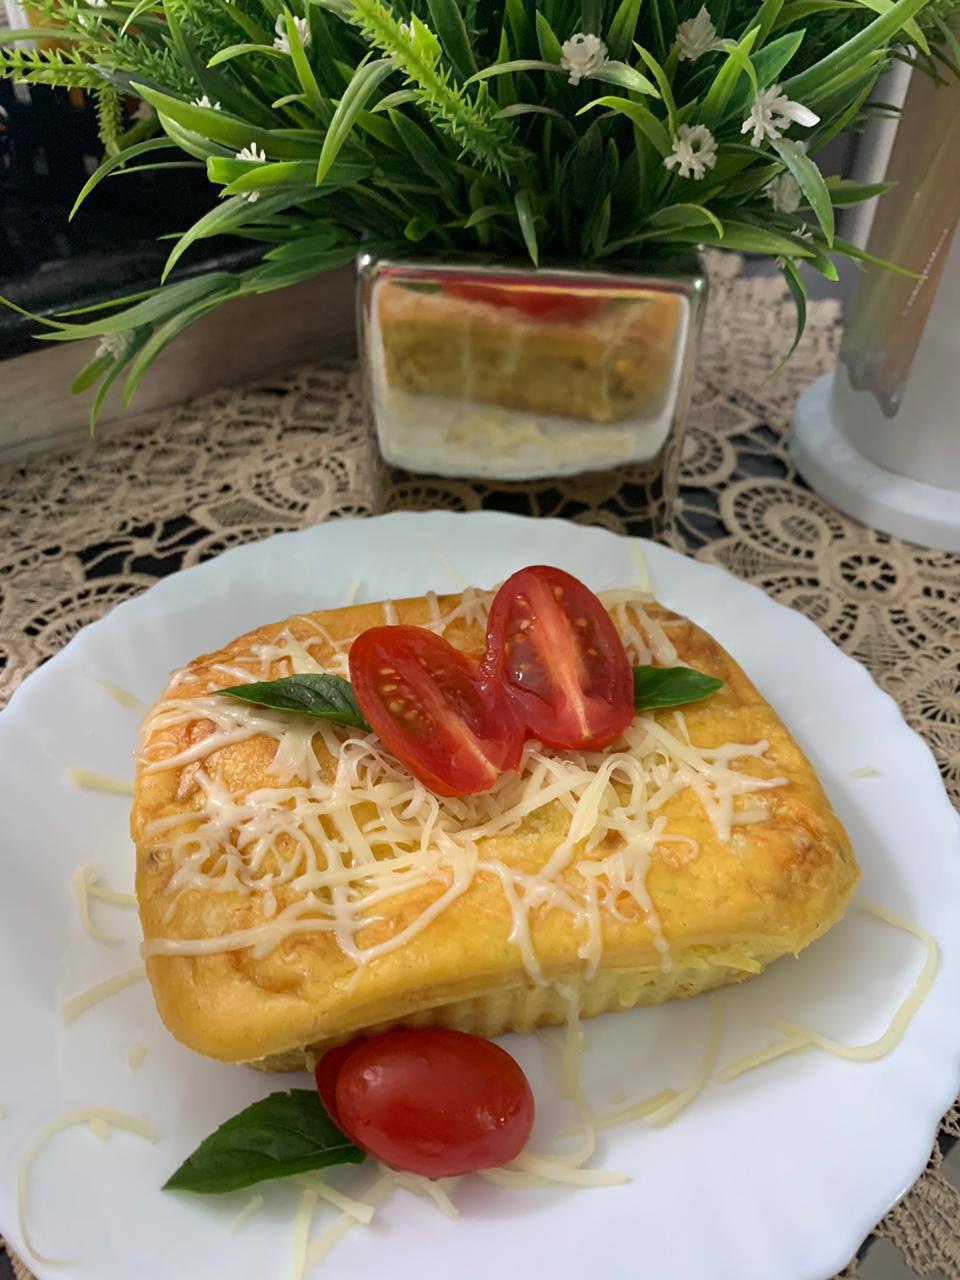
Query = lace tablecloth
x=81 y=531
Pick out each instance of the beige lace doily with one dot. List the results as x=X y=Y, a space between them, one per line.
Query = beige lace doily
x=81 y=531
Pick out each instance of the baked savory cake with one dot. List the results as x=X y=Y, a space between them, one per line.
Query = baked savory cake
x=297 y=885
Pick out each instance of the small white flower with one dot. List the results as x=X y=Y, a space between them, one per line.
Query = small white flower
x=281 y=41
x=259 y=157
x=771 y=112
x=143 y=111
x=697 y=36
x=113 y=345
x=784 y=193
x=694 y=150
x=204 y=101
x=582 y=55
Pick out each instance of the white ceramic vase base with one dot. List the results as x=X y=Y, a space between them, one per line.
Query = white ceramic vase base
x=909 y=509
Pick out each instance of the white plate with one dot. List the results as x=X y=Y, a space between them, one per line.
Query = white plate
x=776 y=1176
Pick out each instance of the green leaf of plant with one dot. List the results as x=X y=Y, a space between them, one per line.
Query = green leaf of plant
x=745 y=238
x=811 y=183
x=911 y=26
x=161 y=304
x=232 y=212
x=656 y=688
x=365 y=82
x=238 y=50
x=325 y=697
x=623 y=28
x=685 y=215
x=91 y=371
x=220 y=127
x=736 y=64
x=551 y=50
x=424 y=152
x=111 y=163
x=642 y=117
x=765 y=18
x=301 y=65
x=528 y=227
x=662 y=83
x=626 y=77
x=799 y=292
x=844 y=192
x=518 y=64
x=772 y=59
x=452 y=32
x=852 y=51
x=282 y=1135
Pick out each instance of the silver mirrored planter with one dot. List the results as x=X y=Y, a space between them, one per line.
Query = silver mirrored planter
x=518 y=378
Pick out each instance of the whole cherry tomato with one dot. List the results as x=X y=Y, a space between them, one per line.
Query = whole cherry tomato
x=432 y=1101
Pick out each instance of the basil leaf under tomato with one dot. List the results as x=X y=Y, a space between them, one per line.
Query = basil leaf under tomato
x=283 y=1134
x=655 y=688
x=327 y=697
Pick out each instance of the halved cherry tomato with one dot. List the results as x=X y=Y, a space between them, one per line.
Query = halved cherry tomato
x=539 y=304
x=552 y=646
x=434 y=1102
x=432 y=708
x=326 y=1072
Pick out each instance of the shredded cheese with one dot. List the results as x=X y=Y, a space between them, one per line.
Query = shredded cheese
x=769 y=1053
x=354 y=591
x=78 y=1004
x=125 y=699
x=636 y=1111
x=447 y=563
x=3 y=1111
x=904 y=1014
x=253 y=1205
x=553 y=1170
x=868 y=771
x=346 y=1204
x=84 y=1115
x=670 y=1110
x=81 y=891
x=301 y=1232
x=87 y=780
x=135 y=1056
x=328 y=1239
x=302 y=834
x=433 y=1189
x=99 y=1128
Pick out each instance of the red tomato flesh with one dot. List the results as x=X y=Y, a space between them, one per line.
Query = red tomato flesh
x=433 y=709
x=434 y=1102
x=326 y=1072
x=553 y=648
x=539 y=304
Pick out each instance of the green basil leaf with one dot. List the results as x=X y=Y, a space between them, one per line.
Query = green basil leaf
x=282 y=1135
x=657 y=687
x=327 y=697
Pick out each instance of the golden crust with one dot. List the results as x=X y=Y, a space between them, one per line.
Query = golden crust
x=774 y=888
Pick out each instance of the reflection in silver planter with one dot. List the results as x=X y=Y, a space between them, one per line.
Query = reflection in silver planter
x=517 y=377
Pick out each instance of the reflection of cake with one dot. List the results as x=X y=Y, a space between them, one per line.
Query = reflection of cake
x=603 y=360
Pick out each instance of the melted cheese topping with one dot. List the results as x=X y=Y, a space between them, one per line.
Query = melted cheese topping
x=305 y=834
x=84 y=1115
